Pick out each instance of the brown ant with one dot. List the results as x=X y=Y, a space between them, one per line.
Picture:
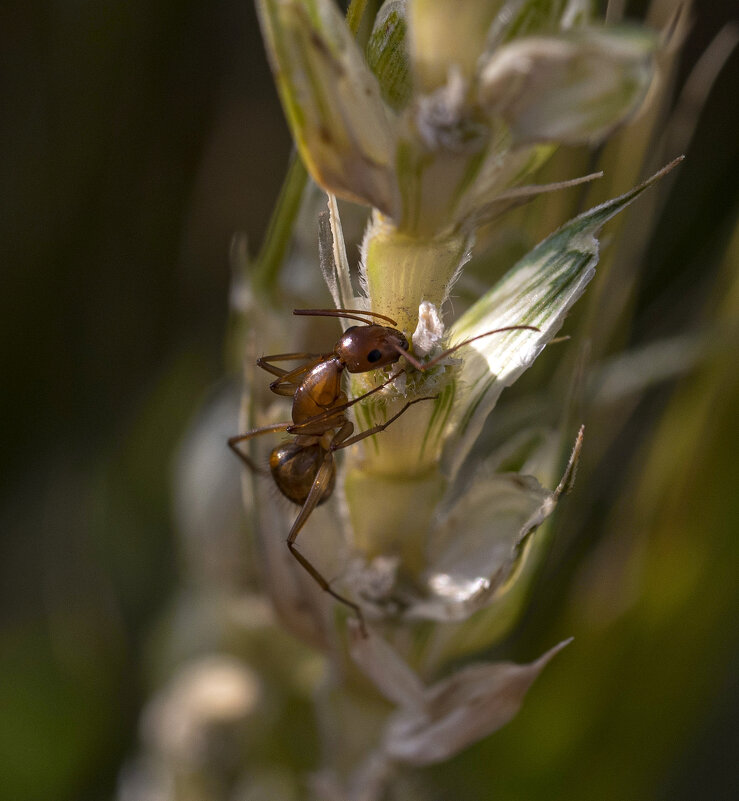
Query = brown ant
x=303 y=468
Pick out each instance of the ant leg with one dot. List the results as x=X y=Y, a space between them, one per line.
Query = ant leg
x=338 y=442
x=235 y=440
x=265 y=362
x=287 y=380
x=314 y=496
x=370 y=392
x=427 y=365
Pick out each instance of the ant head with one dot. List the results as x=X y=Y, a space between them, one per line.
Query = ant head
x=365 y=347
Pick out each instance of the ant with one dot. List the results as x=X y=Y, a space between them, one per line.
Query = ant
x=303 y=468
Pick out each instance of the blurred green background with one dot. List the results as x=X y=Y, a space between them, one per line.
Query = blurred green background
x=136 y=138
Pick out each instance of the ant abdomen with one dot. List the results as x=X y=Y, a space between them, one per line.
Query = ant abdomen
x=294 y=467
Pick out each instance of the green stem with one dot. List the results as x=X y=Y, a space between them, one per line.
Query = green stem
x=391 y=515
x=354 y=15
x=267 y=265
x=403 y=270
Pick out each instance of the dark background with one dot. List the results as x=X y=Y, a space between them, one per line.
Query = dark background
x=135 y=138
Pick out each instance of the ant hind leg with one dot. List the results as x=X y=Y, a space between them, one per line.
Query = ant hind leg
x=314 y=496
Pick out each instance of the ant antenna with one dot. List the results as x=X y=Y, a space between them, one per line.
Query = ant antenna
x=347 y=313
x=425 y=366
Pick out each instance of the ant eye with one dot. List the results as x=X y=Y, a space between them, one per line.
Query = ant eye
x=374 y=355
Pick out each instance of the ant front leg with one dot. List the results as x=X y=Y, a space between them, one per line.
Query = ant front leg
x=321 y=481
x=235 y=440
x=423 y=366
x=288 y=380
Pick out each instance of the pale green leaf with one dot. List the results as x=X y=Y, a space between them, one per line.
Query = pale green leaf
x=387 y=54
x=538 y=291
x=461 y=709
x=572 y=87
x=542 y=16
x=331 y=100
x=475 y=546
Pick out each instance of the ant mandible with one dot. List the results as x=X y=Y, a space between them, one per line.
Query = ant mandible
x=303 y=468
